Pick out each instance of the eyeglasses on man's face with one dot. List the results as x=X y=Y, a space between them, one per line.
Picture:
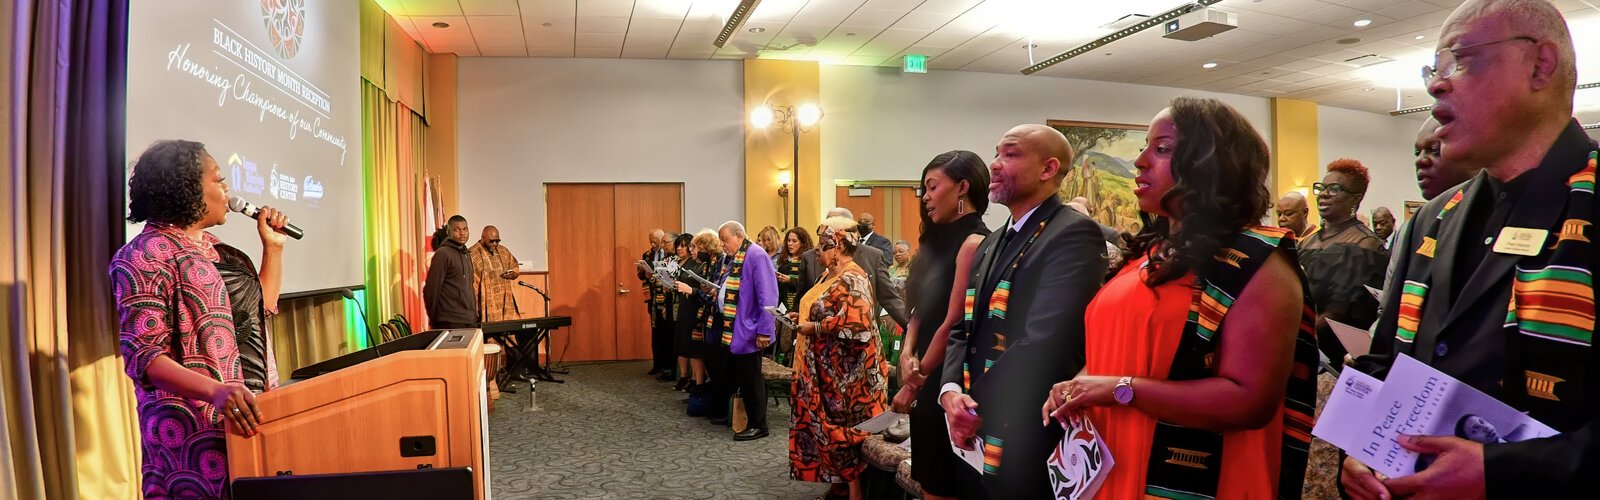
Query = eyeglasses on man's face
x=1445 y=61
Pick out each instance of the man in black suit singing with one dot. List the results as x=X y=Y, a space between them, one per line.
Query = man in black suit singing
x=1030 y=286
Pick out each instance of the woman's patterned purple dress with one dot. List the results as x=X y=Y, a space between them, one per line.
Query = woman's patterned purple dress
x=171 y=300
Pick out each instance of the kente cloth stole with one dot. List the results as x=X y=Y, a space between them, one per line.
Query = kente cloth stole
x=992 y=446
x=697 y=334
x=1186 y=463
x=1550 y=316
x=730 y=298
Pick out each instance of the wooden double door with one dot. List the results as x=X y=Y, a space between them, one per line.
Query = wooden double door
x=596 y=232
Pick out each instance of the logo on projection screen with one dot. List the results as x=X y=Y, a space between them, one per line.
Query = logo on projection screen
x=286 y=24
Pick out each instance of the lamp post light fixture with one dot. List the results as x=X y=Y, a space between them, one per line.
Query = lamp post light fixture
x=799 y=119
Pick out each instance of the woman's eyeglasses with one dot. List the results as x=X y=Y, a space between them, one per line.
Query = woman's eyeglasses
x=1333 y=189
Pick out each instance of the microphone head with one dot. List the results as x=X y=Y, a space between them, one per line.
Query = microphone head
x=343 y=291
x=237 y=204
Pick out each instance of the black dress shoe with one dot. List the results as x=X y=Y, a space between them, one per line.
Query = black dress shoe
x=719 y=421
x=665 y=376
x=750 y=434
x=653 y=371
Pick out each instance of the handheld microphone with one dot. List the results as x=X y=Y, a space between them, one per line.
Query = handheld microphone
x=238 y=204
x=361 y=308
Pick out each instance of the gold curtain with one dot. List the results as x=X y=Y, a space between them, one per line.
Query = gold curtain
x=67 y=409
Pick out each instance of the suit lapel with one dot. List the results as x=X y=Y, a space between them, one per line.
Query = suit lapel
x=1450 y=236
x=1539 y=208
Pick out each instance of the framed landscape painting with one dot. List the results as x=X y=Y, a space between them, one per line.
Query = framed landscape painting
x=1102 y=170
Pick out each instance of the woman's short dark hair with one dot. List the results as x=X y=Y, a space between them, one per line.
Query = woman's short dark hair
x=682 y=241
x=959 y=165
x=799 y=234
x=1219 y=172
x=167 y=185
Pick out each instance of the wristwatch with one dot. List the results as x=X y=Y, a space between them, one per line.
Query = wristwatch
x=1124 y=391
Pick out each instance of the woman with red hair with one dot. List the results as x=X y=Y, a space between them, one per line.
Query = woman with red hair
x=1343 y=256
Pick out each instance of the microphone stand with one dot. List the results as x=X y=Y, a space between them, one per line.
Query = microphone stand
x=550 y=354
x=361 y=308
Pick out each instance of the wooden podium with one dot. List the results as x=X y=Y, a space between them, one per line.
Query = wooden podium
x=417 y=403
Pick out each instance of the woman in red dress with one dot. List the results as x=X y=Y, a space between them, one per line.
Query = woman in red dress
x=1192 y=400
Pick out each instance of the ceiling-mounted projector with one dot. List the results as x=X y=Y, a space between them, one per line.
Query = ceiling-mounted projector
x=1201 y=24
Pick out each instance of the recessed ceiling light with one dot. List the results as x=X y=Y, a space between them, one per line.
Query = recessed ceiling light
x=1368 y=89
x=1031 y=46
x=849 y=34
x=547 y=25
x=1362 y=23
x=1348 y=41
x=757 y=29
x=441 y=25
x=1418 y=37
x=1209 y=65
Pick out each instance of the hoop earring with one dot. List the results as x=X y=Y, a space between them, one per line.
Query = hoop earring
x=961 y=207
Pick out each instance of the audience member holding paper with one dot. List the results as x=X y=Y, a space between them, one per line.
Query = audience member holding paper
x=1512 y=317
x=1219 y=407
x=845 y=379
x=1023 y=327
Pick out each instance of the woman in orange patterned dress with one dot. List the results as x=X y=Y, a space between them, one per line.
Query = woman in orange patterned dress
x=843 y=378
x=1232 y=393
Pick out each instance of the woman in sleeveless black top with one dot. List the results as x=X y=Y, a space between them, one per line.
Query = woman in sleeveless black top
x=955 y=193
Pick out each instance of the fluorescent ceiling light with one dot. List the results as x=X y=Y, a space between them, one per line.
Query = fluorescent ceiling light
x=1362 y=23
x=1209 y=65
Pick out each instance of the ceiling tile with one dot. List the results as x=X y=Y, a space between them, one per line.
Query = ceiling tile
x=923 y=20
x=770 y=10
x=947 y=6
x=432 y=7
x=614 y=8
x=489 y=7
x=495 y=24
x=550 y=8
x=661 y=9
x=874 y=17
x=597 y=40
x=603 y=24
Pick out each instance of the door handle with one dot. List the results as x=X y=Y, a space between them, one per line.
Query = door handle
x=621 y=290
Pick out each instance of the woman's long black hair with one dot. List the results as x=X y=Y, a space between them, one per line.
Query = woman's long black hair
x=1219 y=169
x=958 y=165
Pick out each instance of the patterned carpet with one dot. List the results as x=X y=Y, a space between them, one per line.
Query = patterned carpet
x=612 y=432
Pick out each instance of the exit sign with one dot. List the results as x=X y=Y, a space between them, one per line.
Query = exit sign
x=915 y=63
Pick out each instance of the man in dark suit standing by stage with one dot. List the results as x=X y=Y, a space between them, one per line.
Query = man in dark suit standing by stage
x=872 y=261
x=1048 y=263
x=1496 y=286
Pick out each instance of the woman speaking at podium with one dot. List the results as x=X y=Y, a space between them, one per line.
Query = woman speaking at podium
x=192 y=319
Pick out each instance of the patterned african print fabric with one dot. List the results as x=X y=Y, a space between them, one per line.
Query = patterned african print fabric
x=172 y=301
x=496 y=302
x=841 y=383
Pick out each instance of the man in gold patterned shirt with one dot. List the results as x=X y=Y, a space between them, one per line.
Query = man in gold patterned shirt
x=494 y=272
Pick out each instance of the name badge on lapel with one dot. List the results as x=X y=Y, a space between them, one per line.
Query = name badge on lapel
x=1520 y=241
